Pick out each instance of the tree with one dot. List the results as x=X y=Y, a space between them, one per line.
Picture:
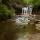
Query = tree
x=6 y=11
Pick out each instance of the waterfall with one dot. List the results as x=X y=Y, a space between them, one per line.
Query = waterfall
x=30 y=9
x=26 y=11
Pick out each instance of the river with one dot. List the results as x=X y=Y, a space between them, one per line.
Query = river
x=10 y=31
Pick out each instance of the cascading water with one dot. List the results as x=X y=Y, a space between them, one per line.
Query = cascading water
x=24 y=18
x=24 y=11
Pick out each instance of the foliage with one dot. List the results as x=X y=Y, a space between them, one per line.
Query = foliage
x=25 y=2
x=33 y=2
x=36 y=2
x=6 y=11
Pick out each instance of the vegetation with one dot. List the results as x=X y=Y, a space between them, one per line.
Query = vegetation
x=5 y=10
x=6 y=6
